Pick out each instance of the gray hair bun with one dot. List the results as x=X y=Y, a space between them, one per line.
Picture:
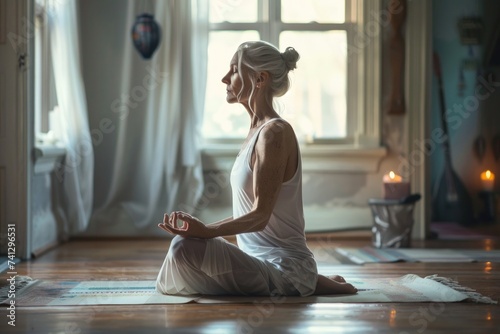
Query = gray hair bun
x=290 y=57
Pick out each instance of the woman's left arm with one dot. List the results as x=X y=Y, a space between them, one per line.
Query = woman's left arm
x=270 y=158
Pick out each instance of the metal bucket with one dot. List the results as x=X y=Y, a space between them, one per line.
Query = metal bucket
x=392 y=221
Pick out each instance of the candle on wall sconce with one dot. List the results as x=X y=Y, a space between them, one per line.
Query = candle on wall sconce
x=488 y=180
x=394 y=187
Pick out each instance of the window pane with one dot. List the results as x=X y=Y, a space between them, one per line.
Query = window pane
x=321 y=11
x=222 y=119
x=233 y=11
x=317 y=100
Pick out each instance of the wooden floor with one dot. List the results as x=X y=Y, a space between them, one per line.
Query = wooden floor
x=141 y=259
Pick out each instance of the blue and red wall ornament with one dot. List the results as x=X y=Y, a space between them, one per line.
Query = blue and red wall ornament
x=146 y=35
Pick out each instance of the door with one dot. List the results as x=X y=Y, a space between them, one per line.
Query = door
x=15 y=122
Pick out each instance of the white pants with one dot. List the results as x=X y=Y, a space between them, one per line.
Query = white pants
x=217 y=267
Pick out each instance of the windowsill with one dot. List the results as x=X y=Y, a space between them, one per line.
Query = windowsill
x=46 y=156
x=315 y=158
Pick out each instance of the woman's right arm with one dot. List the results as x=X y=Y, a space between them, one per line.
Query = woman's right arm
x=228 y=219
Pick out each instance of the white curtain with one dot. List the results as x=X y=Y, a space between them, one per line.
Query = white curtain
x=76 y=174
x=150 y=163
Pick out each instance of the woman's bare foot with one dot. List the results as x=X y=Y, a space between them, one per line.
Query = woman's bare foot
x=333 y=285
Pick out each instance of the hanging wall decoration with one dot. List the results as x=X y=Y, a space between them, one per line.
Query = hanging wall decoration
x=146 y=35
x=480 y=147
x=495 y=143
x=396 y=105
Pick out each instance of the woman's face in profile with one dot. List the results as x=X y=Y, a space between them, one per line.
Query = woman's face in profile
x=237 y=85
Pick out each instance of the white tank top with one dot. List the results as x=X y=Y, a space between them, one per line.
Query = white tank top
x=282 y=242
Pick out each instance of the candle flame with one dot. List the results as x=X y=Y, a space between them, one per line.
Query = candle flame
x=392 y=175
x=487 y=175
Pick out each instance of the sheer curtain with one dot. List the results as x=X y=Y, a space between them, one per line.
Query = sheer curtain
x=77 y=172
x=150 y=163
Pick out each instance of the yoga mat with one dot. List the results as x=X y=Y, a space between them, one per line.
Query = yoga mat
x=405 y=289
x=382 y=255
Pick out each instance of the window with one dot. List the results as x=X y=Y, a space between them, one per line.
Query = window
x=323 y=101
x=45 y=97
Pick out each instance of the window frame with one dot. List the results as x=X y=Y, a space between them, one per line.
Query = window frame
x=45 y=99
x=42 y=67
x=362 y=148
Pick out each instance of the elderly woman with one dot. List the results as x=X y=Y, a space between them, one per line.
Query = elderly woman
x=272 y=257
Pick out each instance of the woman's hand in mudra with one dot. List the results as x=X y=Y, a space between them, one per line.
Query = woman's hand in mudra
x=190 y=227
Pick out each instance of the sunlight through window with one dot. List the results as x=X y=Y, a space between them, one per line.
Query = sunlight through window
x=317 y=102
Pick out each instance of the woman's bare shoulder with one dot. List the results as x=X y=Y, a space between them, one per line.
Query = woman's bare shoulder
x=277 y=130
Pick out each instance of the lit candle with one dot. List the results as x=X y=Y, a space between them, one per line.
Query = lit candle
x=394 y=186
x=488 y=180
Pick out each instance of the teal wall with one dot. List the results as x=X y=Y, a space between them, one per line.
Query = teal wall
x=469 y=114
